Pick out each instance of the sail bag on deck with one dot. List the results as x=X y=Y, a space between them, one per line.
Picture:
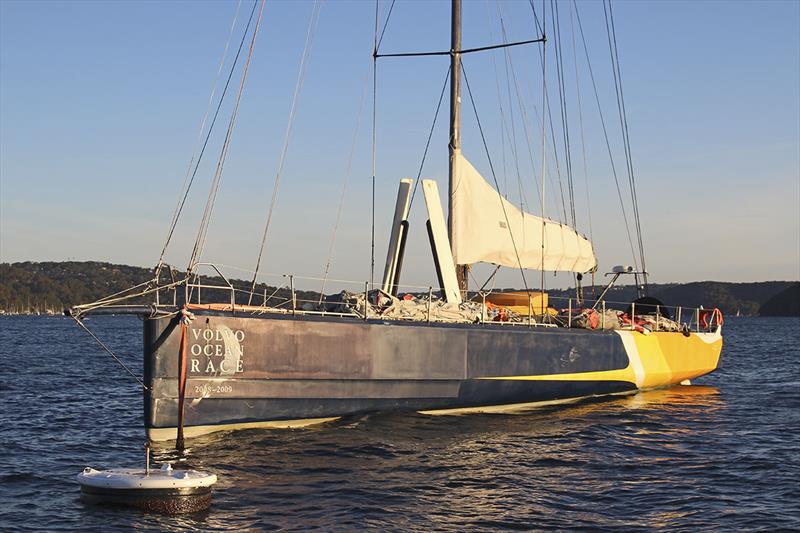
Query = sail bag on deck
x=485 y=223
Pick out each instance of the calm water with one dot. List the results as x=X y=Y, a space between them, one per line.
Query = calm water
x=722 y=454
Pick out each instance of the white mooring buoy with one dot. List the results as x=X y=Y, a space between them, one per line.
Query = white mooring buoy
x=165 y=490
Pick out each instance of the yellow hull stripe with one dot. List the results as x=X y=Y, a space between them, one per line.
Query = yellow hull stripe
x=512 y=407
x=655 y=360
x=164 y=434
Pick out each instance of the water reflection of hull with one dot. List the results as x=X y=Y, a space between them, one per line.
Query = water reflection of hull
x=284 y=371
x=677 y=397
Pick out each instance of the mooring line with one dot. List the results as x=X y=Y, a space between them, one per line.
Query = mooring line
x=106 y=348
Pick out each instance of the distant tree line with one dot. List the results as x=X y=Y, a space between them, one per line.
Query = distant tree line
x=50 y=287
x=31 y=287
x=731 y=298
x=785 y=303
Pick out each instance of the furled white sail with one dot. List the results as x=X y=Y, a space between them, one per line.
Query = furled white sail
x=485 y=224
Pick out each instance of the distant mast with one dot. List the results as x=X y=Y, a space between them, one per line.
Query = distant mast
x=455 y=127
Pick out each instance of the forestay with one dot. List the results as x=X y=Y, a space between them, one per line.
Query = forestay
x=488 y=228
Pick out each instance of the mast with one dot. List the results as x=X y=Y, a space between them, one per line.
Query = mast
x=455 y=127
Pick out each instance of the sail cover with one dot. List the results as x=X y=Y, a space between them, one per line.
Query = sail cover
x=483 y=230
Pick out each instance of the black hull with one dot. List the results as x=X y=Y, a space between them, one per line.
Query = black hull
x=164 y=501
x=246 y=370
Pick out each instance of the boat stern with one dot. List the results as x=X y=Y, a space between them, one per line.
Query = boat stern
x=661 y=359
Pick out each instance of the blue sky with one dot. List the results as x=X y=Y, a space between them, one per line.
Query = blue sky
x=100 y=105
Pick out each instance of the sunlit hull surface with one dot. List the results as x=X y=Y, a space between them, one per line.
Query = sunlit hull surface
x=275 y=370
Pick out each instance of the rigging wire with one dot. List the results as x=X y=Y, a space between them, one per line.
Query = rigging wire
x=536 y=18
x=209 y=106
x=491 y=277
x=345 y=180
x=206 y=219
x=385 y=24
x=520 y=104
x=580 y=120
x=463 y=50
x=374 y=141
x=494 y=177
x=430 y=135
x=182 y=201
x=107 y=349
x=578 y=290
x=505 y=134
x=377 y=40
x=509 y=62
x=623 y=118
x=545 y=107
x=301 y=75
x=547 y=112
x=547 y=115
x=562 y=97
x=503 y=122
x=605 y=135
x=513 y=137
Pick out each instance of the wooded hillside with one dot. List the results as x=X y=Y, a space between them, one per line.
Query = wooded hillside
x=30 y=287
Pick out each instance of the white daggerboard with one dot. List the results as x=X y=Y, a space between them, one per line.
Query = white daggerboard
x=444 y=257
x=400 y=216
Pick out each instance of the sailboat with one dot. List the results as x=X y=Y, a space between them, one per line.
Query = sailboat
x=224 y=365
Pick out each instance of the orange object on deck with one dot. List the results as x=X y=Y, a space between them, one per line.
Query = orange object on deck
x=521 y=302
x=224 y=307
